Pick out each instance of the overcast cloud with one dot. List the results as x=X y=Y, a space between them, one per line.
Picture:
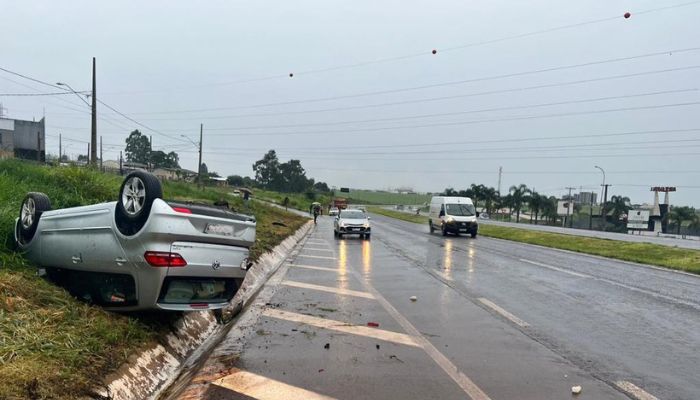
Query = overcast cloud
x=172 y=65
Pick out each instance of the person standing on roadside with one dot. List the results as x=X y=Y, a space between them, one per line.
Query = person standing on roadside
x=317 y=211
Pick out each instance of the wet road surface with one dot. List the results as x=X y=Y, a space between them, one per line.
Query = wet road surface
x=492 y=320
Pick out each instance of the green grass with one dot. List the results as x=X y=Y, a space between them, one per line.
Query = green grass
x=646 y=253
x=298 y=201
x=52 y=346
x=374 y=197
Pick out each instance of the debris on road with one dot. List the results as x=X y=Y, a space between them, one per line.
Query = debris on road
x=373 y=324
x=393 y=357
x=327 y=346
x=377 y=347
x=413 y=298
x=576 y=389
x=321 y=370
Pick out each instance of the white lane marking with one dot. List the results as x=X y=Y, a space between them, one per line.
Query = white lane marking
x=259 y=387
x=322 y=257
x=618 y=284
x=566 y=271
x=512 y=318
x=464 y=382
x=635 y=390
x=315 y=267
x=316 y=249
x=340 y=326
x=335 y=290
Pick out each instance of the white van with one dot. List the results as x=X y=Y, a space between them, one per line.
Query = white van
x=452 y=215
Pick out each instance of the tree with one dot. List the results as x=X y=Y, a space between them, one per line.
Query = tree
x=204 y=170
x=519 y=195
x=160 y=159
x=549 y=208
x=536 y=204
x=490 y=196
x=267 y=170
x=478 y=193
x=450 y=192
x=292 y=177
x=82 y=157
x=618 y=205
x=235 y=180
x=682 y=214
x=138 y=148
x=322 y=187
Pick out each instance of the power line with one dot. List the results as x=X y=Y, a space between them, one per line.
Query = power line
x=427 y=53
x=38 y=94
x=457 y=123
x=429 y=99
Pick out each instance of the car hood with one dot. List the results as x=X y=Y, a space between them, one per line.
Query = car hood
x=353 y=221
x=463 y=218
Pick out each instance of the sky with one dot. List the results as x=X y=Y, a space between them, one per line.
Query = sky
x=546 y=91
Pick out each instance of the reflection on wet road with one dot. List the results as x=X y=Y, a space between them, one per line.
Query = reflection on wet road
x=337 y=321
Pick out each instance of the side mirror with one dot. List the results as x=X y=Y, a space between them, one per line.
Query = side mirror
x=368 y=218
x=477 y=214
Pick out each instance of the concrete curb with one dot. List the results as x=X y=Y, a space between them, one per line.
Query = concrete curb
x=149 y=373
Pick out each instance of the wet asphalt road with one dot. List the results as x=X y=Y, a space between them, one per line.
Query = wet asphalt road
x=493 y=320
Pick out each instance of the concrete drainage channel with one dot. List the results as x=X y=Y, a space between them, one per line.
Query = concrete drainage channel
x=151 y=373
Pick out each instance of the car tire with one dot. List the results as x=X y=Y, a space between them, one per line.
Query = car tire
x=444 y=230
x=340 y=235
x=430 y=226
x=33 y=205
x=367 y=236
x=473 y=235
x=136 y=196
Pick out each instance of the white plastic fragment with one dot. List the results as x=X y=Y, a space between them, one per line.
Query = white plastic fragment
x=413 y=298
x=576 y=389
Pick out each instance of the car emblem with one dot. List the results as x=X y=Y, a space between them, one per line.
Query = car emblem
x=216 y=264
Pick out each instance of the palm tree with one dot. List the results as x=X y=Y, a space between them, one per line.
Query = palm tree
x=549 y=208
x=536 y=203
x=520 y=196
x=478 y=192
x=618 y=205
x=490 y=196
x=681 y=214
x=507 y=201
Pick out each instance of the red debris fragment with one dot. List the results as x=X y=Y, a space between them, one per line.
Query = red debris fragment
x=321 y=370
x=373 y=324
x=627 y=15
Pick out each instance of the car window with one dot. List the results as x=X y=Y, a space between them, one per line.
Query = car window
x=460 y=210
x=353 y=215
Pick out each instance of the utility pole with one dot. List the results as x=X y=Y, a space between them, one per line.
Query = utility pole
x=88 y=154
x=38 y=147
x=60 y=149
x=199 y=169
x=93 y=137
x=500 y=172
x=100 y=152
x=150 y=151
x=121 y=171
x=568 y=207
x=605 y=200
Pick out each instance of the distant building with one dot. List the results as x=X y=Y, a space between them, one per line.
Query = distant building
x=586 y=198
x=22 y=139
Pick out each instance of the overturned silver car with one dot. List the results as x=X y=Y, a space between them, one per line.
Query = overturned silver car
x=139 y=252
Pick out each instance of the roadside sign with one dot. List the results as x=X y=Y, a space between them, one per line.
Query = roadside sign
x=563 y=206
x=638 y=219
x=345 y=190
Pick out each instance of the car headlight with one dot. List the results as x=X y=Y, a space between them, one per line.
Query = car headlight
x=366 y=225
x=342 y=224
x=450 y=220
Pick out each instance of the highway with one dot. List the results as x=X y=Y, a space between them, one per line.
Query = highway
x=492 y=320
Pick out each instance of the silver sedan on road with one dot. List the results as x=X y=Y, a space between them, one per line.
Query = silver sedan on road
x=139 y=252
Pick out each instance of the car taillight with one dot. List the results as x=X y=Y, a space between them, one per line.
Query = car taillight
x=199 y=305
x=182 y=210
x=164 y=259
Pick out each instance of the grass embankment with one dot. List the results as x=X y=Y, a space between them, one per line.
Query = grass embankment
x=645 y=253
x=374 y=197
x=52 y=346
x=297 y=201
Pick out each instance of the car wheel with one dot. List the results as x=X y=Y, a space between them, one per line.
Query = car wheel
x=444 y=230
x=367 y=236
x=136 y=196
x=33 y=205
x=340 y=235
x=473 y=234
x=430 y=226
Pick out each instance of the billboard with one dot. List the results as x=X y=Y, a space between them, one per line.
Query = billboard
x=638 y=219
x=563 y=206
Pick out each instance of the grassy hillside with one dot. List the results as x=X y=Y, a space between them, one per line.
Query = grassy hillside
x=52 y=346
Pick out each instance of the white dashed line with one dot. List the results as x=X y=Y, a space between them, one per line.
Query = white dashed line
x=512 y=318
x=334 y=290
x=566 y=271
x=316 y=249
x=314 y=267
x=340 y=326
x=254 y=386
x=321 y=257
x=634 y=390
